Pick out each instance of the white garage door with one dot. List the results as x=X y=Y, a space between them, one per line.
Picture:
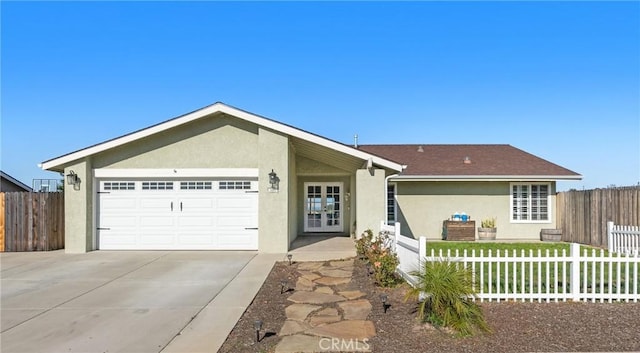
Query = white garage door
x=178 y=215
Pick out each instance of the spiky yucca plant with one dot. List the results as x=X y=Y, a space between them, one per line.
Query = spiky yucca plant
x=449 y=293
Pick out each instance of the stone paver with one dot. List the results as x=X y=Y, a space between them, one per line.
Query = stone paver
x=326 y=290
x=305 y=284
x=300 y=311
x=309 y=275
x=355 y=309
x=352 y=294
x=291 y=327
x=299 y=343
x=335 y=273
x=315 y=298
x=332 y=281
x=321 y=320
x=347 y=329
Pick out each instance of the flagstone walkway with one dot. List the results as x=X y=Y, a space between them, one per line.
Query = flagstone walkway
x=326 y=314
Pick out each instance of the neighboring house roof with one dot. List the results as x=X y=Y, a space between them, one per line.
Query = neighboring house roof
x=17 y=185
x=58 y=163
x=483 y=162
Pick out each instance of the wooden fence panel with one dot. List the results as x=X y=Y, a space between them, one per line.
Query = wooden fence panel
x=33 y=221
x=583 y=214
x=2 y=221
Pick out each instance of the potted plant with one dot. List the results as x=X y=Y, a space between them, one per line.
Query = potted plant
x=487 y=230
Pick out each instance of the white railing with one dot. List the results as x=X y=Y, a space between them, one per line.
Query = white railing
x=550 y=276
x=623 y=239
x=408 y=250
x=531 y=276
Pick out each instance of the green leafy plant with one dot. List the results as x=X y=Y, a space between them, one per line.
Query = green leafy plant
x=448 y=301
x=364 y=243
x=383 y=261
x=489 y=223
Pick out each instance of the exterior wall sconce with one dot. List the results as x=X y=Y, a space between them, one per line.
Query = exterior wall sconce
x=274 y=182
x=73 y=179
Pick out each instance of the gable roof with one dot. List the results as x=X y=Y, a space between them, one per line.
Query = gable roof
x=485 y=162
x=14 y=181
x=57 y=163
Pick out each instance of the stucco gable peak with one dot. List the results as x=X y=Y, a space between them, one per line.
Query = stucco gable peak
x=58 y=163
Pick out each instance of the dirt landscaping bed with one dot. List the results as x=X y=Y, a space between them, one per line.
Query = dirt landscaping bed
x=517 y=326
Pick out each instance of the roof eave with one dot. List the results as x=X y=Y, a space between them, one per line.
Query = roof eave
x=485 y=177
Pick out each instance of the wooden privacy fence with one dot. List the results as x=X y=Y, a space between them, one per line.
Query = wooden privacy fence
x=583 y=215
x=31 y=221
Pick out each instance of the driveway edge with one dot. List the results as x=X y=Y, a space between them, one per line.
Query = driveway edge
x=210 y=328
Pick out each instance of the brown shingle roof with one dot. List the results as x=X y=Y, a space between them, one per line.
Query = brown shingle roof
x=485 y=160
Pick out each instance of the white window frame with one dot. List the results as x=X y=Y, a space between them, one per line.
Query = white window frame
x=529 y=207
x=393 y=186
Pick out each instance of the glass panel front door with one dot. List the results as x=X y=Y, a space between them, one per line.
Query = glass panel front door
x=323 y=207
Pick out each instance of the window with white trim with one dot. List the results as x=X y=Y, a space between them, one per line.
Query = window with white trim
x=530 y=202
x=157 y=185
x=234 y=185
x=391 y=203
x=119 y=185
x=196 y=185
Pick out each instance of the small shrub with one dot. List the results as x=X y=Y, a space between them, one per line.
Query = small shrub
x=488 y=223
x=364 y=243
x=449 y=301
x=377 y=253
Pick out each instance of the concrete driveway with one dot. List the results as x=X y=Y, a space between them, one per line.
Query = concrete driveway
x=112 y=301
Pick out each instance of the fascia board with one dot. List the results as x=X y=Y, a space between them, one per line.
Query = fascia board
x=485 y=177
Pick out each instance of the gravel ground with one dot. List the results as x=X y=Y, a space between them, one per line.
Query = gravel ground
x=517 y=326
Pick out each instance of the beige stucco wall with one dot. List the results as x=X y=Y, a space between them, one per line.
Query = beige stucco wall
x=78 y=208
x=218 y=142
x=293 y=196
x=423 y=206
x=370 y=198
x=273 y=233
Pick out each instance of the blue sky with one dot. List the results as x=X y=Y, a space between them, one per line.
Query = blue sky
x=560 y=80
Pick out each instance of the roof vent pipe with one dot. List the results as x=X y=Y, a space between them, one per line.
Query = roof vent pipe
x=355 y=141
x=466 y=160
x=420 y=149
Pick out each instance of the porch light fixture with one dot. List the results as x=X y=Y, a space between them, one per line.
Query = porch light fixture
x=257 y=325
x=274 y=181
x=384 y=298
x=289 y=256
x=73 y=179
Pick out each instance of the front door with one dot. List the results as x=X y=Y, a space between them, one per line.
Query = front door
x=323 y=207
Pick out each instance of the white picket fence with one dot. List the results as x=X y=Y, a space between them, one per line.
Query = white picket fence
x=532 y=276
x=623 y=239
x=409 y=250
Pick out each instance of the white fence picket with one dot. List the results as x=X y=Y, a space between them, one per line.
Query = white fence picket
x=623 y=239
